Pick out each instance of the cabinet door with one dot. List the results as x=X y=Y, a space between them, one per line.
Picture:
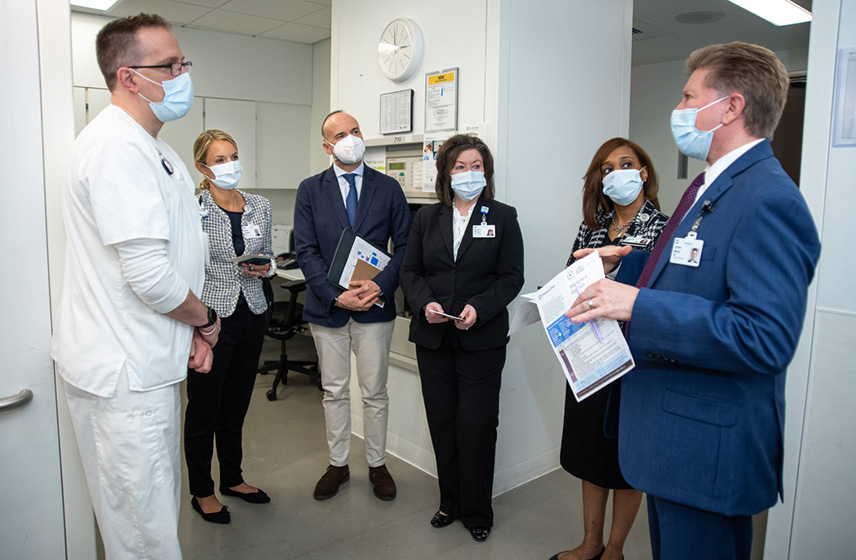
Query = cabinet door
x=181 y=133
x=282 y=158
x=238 y=119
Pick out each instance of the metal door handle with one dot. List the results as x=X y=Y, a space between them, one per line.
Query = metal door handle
x=23 y=397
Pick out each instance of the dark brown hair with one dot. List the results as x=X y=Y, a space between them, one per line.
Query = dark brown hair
x=116 y=44
x=751 y=70
x=448 y=155
x=594 y=201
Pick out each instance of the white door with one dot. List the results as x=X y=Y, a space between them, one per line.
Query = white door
x=31 y=518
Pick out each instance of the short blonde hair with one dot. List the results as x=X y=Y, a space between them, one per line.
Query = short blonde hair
x=203 y=143
x=751 y=70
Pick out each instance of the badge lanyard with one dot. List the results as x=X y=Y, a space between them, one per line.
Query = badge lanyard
x=686 y=251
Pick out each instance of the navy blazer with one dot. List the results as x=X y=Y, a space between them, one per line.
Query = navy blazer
x=320 y=218
x=701 y=417
x=488 y=274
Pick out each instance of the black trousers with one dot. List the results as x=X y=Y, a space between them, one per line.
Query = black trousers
x=217 y=402
x=461 y=394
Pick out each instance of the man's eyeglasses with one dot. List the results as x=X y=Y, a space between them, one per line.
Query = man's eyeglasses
x=174 y=68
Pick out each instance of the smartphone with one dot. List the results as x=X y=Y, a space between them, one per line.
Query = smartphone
x=446 y=315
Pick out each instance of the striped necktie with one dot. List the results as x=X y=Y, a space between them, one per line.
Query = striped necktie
x=684 y=206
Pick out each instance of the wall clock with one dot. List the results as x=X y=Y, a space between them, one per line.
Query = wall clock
x=399 y=50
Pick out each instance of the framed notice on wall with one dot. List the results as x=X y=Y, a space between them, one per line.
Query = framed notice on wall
x=844 y=117
x=396 y=112
x=441 y=101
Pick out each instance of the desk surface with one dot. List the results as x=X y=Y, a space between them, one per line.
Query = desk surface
x=290 y=274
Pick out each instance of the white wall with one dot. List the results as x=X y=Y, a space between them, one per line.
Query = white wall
x=818 y=516
x=543 y=128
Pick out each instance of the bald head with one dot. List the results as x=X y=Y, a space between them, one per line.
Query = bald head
x=338 y=125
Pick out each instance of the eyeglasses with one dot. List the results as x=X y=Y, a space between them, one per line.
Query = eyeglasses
x=174 y=68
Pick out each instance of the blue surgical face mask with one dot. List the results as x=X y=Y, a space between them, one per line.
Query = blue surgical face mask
x=177 y=97
x=691 y=141
x=622 y=186
x=468 y=184
x=226 y=175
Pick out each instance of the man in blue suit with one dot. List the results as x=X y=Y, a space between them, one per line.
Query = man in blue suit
x=361 y=318
x=701 y=418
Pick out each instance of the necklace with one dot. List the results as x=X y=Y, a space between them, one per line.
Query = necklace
x=617 y=228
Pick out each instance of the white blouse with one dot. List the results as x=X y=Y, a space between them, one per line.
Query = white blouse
x=459 y=226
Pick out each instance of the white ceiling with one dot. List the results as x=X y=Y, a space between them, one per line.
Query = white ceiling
x=300 y=21
x=663 y=38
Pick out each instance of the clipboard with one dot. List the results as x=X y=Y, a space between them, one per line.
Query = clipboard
x=355 y=259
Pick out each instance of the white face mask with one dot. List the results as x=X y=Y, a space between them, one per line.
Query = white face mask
x=226 y=175
x=177 y=97
x=622 y=186
x=691 y=141
x=349 y=150
x=468 y=184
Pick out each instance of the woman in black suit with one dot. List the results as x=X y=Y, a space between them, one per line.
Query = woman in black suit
x=462 y=267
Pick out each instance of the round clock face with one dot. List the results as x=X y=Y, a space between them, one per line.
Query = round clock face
x=399 y=50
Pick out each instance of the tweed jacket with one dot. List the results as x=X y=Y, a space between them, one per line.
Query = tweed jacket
x=224 y=280
x=645 y=226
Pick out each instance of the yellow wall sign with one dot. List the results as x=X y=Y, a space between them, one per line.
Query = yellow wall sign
x=441 y=78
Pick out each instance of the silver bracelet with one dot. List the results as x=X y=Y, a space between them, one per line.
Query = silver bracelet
x=213 y=329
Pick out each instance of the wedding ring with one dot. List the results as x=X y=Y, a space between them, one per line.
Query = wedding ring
x=591 y=304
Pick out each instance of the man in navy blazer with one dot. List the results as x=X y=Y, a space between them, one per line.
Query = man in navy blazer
x=351 y=195
x=701 y=418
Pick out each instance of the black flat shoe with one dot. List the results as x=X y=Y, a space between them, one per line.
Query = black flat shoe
x=480 y=534
x=221 y=516
x=440 y=520
x=595 y=557
x=252 y=497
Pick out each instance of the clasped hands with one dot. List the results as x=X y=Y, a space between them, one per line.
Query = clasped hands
x=605 y=298
x=201 y=353
x=360 y=295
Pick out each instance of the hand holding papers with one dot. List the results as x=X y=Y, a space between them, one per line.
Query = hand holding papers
x=592 y=354
x=355 y=263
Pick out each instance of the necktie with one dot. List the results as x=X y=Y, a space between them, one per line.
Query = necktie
x=351 y=201
x=666 y=236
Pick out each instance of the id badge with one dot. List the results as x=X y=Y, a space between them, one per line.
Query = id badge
x=687 y=251
x=251 y=231
x=484 y=231
x=636 y=241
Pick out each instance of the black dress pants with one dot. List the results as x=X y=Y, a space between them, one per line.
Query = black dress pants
x=461 y=394
x=217 y=402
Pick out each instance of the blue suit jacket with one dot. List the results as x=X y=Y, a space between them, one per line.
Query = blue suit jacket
x=320 y=218
x=702 y=416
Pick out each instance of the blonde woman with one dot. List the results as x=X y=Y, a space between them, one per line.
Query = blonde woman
x=236 y=223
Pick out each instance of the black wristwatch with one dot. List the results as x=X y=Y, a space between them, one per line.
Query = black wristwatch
x=212 y=318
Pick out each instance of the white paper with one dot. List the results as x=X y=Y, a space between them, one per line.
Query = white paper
x=592 y=354
x=363 y=251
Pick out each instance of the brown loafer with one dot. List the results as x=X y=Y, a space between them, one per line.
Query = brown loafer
x=384 y=486
x=329 y=484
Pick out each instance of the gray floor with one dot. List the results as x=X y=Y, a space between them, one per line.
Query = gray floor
x=285 y=453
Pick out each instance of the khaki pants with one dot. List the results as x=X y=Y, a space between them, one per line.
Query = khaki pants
x=370 y=343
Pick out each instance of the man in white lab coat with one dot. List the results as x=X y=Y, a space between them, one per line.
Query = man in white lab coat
x=129 y=316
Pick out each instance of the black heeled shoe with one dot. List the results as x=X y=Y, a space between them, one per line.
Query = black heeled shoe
x=221 y=516
x=441 y=520
x=251 y=497
x=480 y=534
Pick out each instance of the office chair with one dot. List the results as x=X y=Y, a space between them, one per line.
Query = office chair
x=285 y=320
